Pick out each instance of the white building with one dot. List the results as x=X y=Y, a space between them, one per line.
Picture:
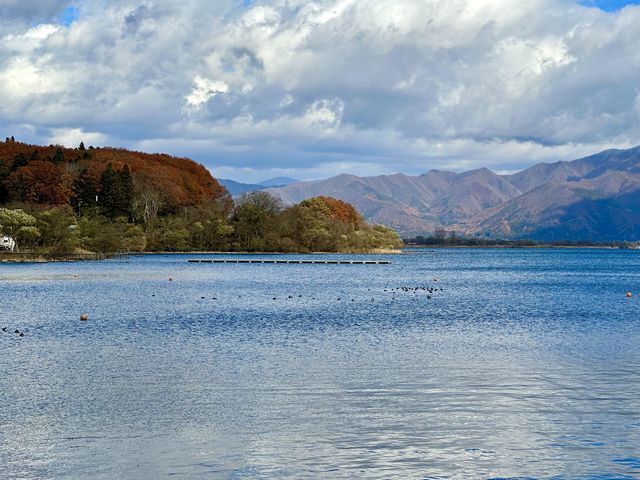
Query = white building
x=7 y=243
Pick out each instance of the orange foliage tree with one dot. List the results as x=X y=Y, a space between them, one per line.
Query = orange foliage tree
x=40 y=182
x=336 y=209
x=181 y=182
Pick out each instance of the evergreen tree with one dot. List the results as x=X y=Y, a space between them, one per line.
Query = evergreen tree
x=86 y=192
x=126 y=191
x=20 y=160
x=4 y=174
x=58 y=158
x=35 y=156
x=81 y=147
x=116 y=192
x=108 y=188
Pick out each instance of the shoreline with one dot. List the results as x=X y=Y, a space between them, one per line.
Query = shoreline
x=27 y=257
x=33 y=257
x=200 y=252
x=533 y=247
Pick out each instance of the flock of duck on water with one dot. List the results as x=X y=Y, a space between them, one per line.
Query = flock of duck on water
x=17 y=332
x=397 y=290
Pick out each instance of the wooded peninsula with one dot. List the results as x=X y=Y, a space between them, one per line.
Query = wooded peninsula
x=57 y=200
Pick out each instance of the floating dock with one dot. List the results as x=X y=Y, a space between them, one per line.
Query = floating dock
x=297 y=262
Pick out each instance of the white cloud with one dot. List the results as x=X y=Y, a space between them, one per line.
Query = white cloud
x=71 y=137
x=203 y=90
x=325 y=113
x=26 y=78
x=325 y=85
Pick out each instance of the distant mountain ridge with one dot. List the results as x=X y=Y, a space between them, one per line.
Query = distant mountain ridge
x=278 y=182
x=594 y=198
x=238 y=188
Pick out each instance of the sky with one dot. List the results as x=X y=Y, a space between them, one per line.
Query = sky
x=311 y=89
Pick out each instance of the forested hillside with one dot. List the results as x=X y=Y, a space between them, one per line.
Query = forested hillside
x=88 y=199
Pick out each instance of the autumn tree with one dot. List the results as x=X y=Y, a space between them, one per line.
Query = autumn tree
x=40 y=182
x=336 y=209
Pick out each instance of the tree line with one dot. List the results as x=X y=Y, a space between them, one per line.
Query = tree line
x=110 y=200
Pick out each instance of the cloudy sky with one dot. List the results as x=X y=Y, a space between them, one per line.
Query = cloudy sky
x=309 y=89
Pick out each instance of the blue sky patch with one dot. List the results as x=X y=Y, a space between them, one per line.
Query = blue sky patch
x=609 y=5
x=69 y=15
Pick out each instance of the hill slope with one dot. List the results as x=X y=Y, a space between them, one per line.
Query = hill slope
x=52 y=175
x=591 y=198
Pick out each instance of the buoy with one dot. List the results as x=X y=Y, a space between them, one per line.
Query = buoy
x=629 y=295
x=84 y=317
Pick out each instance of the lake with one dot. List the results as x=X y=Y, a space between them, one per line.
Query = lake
x=519 y=363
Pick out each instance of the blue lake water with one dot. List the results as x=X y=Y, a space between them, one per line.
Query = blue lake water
x=524 y=363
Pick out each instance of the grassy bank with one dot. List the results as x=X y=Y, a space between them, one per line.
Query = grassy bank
x=29 y=257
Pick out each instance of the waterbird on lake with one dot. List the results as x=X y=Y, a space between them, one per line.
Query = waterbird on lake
x=17 y=331
x=21 y=334
x=4 y=329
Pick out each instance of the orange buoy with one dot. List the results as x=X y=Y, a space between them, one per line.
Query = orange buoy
x=629 y=295
x=84 y=317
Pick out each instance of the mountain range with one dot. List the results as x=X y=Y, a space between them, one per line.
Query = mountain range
x=595 y=198
x=238 y=188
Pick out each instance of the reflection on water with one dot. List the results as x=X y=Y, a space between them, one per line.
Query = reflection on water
x=522 y=363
